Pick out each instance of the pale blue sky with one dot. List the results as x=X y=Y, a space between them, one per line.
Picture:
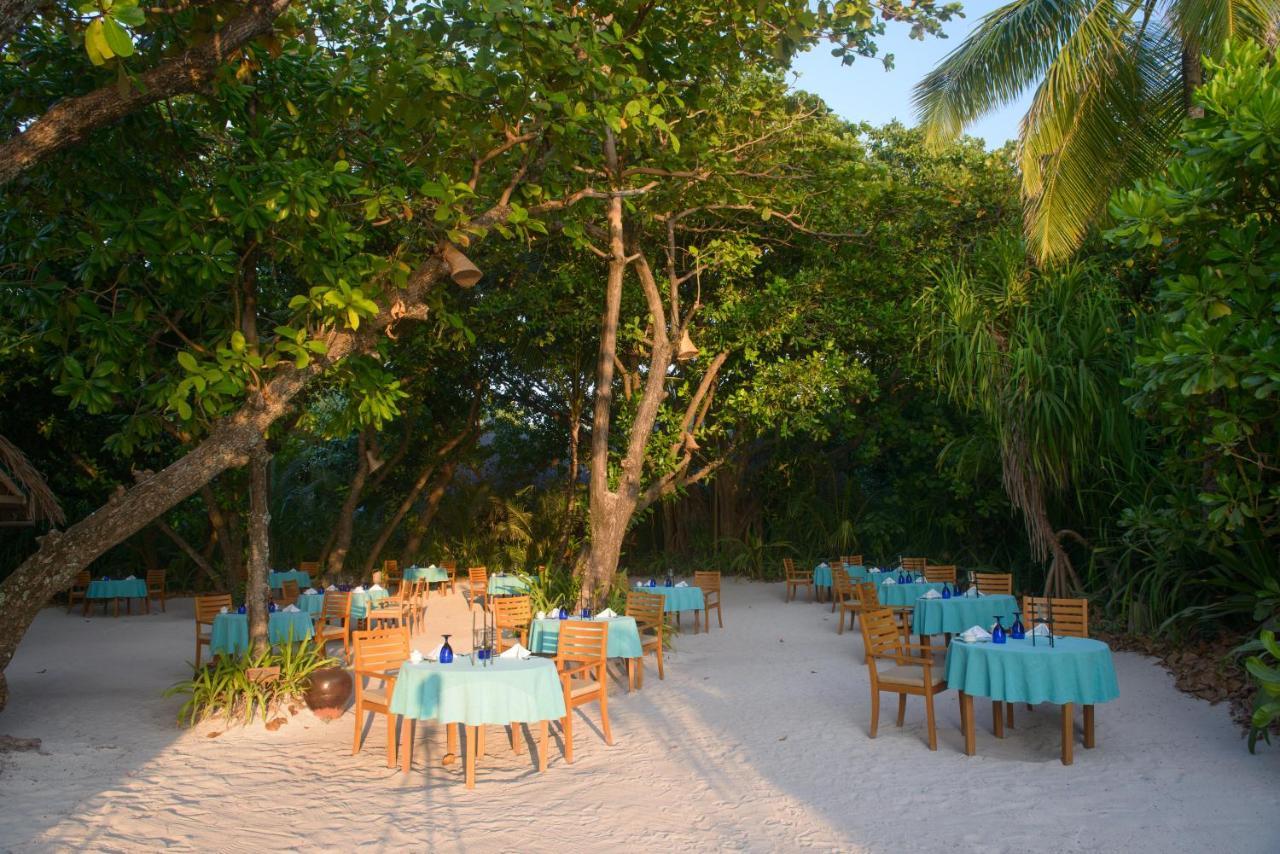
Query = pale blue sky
x=864 y=91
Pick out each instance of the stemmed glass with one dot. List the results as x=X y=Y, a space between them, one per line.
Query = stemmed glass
x=1017 y=631
x=997 y=633
x=446 y=651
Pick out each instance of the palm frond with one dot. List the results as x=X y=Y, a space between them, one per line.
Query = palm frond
x=41 y=501
x=1207 y=25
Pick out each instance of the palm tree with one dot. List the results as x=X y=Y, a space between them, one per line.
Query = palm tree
x=1115 y=81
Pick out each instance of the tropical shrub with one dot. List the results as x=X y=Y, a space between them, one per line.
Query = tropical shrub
x=225 y=686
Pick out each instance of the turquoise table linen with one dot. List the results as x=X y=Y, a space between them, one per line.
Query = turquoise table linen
x=624 y=637
x=507 y=691
x=362 y=599
x=881 y=577
x=231 y=631
x=936 y=616
x=431 y=573
x=507 y=585
x=123 y=588
x=312 y=603
x=678 y=598
x=276 y=580
x=902 y=595
x=1074 y=670
x=822 y=574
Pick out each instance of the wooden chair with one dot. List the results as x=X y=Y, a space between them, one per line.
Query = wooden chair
x=914 y=564
x=312 y=569
x=852 y=560
x=156 y=588
x=867 y=596
x=450 y=567
x=992 y=583
x=478 y=583
x=845 y=596
x=511 y=613
x=939 y=573
x=796 y=578
x=78 y=591
x=288 y=593
x=918 y=675
x=208 y=607
x=392 y=574
x=581 y=658
x=709 y=582
x=1070 y=616
x=336 y=607
x=378 y=656
x=394 y=610
x=647 y=609
x=837 y=568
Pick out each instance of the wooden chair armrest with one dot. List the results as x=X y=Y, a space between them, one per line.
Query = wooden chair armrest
x=570 y=673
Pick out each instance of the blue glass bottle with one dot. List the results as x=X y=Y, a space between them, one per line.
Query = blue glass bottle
x=446 y=652
x=997 y=633
x=946 y=590
x=1017 y=631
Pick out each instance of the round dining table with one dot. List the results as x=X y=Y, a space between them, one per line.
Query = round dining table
x=904 y=595
x=623 y=641
x=954 y=615
x=276 y=580
x=473 y=694
x=507 y=585
x=113 y=590
x=1067 y=672
x=231 y=630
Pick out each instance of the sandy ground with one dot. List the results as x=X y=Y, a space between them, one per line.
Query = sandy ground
x=757 y=740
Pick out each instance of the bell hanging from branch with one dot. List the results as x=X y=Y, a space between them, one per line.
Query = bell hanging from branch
x=464 y=273
x=690 y=443
x=686 y=351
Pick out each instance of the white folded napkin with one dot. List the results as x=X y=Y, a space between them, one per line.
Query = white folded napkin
x=434 y=655
x=311 y=591
x=1041 y=630
x=375 y=587
x=132 y=578
x=292 y=609
x=415 y=656
x=541 y=615
x=516 y=651
x=606 y=614
x=889 y=581
x=975 y=634
x=682 y=584
x=359 y=588
x=931 y=594
x=973 y=593
x=824 y=565
x=226 y=610
x=433 y=566
x=331 y=588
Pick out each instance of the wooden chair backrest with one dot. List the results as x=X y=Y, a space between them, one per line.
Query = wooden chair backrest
x=708 y=580
x=794 y=573
x=155 y=579
x=838 y=565
x=994 y=582
x=512 y=612
x=842 y=584
x=337 y=605
x=646 y=608
x=478 y=576
x=391 y=571
x=868 y=594
x=288 y=591
x=310 y=567
x=1070 y=616
x=582 y=642
x=83 y=579
x=380 y=650
x=852 y=560
x=450 y=565
x=936 y=574
x=880 y=631
x=208 y=607
x=915 y=564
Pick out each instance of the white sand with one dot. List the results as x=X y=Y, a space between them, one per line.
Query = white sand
x=757 y=740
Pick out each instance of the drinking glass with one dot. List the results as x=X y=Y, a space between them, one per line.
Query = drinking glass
x=997 y=633
x=446 y=651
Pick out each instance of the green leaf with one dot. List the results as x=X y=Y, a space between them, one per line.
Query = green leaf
x=117 y=38
x=95 y=43
x=237 y=341
x=188 y=361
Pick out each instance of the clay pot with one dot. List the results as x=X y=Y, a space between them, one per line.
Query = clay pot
x=329 y=692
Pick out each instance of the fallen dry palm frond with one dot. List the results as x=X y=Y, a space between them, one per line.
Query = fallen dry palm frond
x=42 y=503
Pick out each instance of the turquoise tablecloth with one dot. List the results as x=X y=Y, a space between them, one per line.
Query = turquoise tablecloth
x=900 y=595
x=362 y=599
x=507 y=585
x=881 y=577
x=935 y=616
x=1074 y=670
x=121 y=589
x=506 y=691
x=426 y=573
x=231 y=631
x=678 y=598
x=822 y=574
x=276 y=580
x=312 y=603
x=624 y=637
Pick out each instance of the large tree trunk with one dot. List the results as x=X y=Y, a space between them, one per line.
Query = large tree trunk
x=576 y=395
x=71 y=119
x=226 y=528
x=256 y=591
x=345 y=527
x=1192 y=79
x=201 y=562
x=429 y=509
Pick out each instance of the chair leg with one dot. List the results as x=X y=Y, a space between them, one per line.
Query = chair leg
x=1088 y=727
x=875 y=712
x=544 y=741
x=928 y=716
x=392 y=732
x=566 y=726
x=660 y=654
x=604 y=714
x=902 y=708
x=356 y=740
x=719 y=615
x=966 y=721
x=840 y=628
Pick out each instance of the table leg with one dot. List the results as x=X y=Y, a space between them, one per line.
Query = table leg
x=631 y=675
x=544 y=744
x=997 y=718
x=451 y=744
x=706 y=622
x=471 y=757
x=1088 y=727
x=408 y=727
x=966 y=718
x=1068 y=735
x=480 y=740
x=515 y=738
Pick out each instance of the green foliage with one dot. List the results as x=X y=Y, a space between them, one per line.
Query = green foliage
x=224 y=688
x=1266 y=671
